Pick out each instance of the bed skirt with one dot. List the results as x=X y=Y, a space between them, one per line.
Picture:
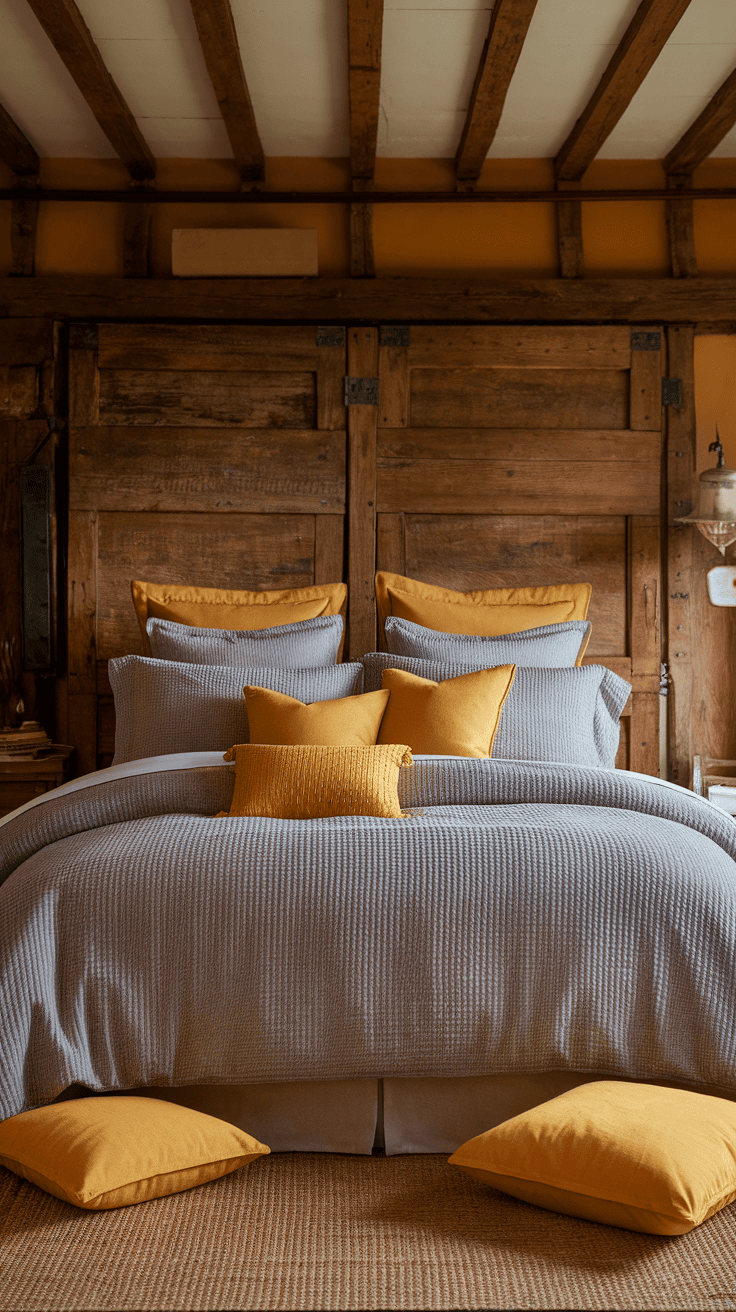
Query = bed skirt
x=395 y=1115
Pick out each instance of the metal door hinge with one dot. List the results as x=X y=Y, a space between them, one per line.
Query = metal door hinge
x=672 y=392
x=646 y=341
x=361 y=391
x=392 y=335
x=664 y=679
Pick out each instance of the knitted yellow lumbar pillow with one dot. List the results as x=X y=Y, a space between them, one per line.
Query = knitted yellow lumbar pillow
x=638 y=1156
x=110 y=1152
x=305 y=783
x=274 y=717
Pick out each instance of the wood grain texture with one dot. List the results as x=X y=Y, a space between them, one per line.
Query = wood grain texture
x=645 y=635
x=681 y=577
x=330 y=371
x=26 y=341
x=520 y=398
x=380 y=300
x=362 y=258
x=365 y=37
x=70 y=36
x=18 y=391
x=393 y=371
x=221 y=550
x=82 y=638
x=329 y=548
x=645 y=398
x=84 y=386
x=681 y=230
x=645 y=38
x=15 y=149
x=134 y=468
x=509 y=25
x=706 y=132
x=23 y=222
x=390 y=533
x=570 y=239
x=219 y=41
x=172 y=398
x=519 y=347
x=187 y=347
x=505 y=488
x=467 y=552
x=137 y=225
x=362 y=426
x=523 y=444
x=644 y=733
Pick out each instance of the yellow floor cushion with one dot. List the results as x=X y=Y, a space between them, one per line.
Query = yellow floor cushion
x=113 y=1151
x=483 y=613
x=640 y=1156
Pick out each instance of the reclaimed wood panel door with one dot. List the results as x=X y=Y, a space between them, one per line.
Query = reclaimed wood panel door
x=203 y=454
x=510 y=456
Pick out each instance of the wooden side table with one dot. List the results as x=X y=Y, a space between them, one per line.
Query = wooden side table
x=20 y=781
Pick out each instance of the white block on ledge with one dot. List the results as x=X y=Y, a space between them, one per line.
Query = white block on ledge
x=244 y=252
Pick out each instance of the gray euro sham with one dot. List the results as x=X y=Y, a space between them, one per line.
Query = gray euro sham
x=570 y=716
x=168 y=706
x=521 y=918
x=303 y=645
x=549 y=646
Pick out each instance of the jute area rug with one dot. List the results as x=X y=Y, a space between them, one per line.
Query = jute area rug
x=309 y=1230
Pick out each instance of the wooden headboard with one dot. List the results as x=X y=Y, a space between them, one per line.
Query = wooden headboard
x=220 y=455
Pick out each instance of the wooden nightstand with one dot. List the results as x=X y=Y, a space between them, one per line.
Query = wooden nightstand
x=22 y=780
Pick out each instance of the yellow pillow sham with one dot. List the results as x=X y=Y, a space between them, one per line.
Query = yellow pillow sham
x=309 y=783
x=639 y=1156
x=111 y=1152
x=456 y=717
x=485 y=614
x=224 y=608
x=274 y=717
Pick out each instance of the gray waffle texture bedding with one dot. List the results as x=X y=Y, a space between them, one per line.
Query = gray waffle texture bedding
x=565 y=715
x=548 y=646
x=522 y=917
x=169 y=706
x=299 y=646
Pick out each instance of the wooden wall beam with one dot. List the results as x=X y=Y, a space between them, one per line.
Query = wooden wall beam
x=374 y=300
x=219 y=42
x=23 y=221
x=570 y=237
x=679 y=649
x=706 y=132
x=365 y=35
x=680 y=229
x=137 y=224
x=362 y=428
x=15 y=149
x=509 y=25
x=647 y=34
x=72 y=40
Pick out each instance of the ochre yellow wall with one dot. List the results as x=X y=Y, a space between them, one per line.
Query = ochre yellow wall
x=621 y=239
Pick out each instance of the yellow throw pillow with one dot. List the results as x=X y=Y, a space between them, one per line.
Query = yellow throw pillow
x=638 y=1156
x=110 y=1152
x=274 y=717
x=456 y=717
x=223 y=608
x=485 y=614
x=306 y=783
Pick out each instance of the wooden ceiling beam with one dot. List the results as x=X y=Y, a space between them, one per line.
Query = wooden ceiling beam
x=647 y=34
x=15 y=149
x=221 y=50
x=706 y=132
x=509 y=25
x=365 y=35
x=72 y=40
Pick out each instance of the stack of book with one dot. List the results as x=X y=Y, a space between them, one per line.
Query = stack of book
x=28 y=743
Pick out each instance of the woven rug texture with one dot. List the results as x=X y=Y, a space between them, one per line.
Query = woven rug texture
x=317 y=1231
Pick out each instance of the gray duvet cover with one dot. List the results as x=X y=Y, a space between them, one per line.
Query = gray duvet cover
x=521 y=918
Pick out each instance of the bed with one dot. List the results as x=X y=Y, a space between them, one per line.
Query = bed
x=355 y=981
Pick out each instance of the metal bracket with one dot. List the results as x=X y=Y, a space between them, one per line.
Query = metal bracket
x=389 y=335
x=646 y=341
x=664 y=679
x=672 y=392
x=330 y=337
x=361 y=391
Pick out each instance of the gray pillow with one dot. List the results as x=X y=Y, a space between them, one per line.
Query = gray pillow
x=167 y=706
x=299 y=646
x=551 y=645
x=569 y=716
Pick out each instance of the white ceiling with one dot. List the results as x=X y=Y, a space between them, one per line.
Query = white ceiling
x=294 y=56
